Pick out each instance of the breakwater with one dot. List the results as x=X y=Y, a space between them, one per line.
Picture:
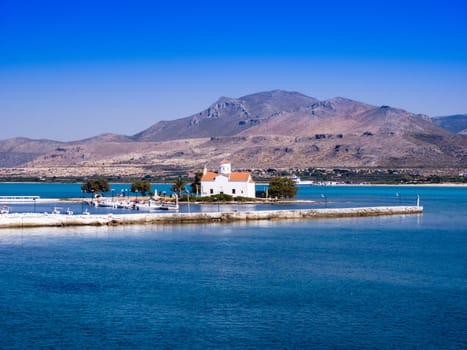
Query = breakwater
x=25 y=220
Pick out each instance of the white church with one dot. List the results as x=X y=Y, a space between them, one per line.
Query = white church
x=224 y=181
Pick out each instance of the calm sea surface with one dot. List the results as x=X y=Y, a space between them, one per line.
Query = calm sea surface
x=384 y=282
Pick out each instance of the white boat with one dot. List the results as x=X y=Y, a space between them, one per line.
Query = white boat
x=169 y=206
x=106 y=204
x=296 y=179
x=4 y=210
x=122 y=205
x=150 y=205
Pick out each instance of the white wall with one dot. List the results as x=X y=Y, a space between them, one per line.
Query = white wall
x=222 y=185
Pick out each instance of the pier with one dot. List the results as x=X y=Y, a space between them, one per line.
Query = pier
x=24 y=220
x=15 y=199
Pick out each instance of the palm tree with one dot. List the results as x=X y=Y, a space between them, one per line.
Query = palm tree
x=196 y=185
x=178 y=186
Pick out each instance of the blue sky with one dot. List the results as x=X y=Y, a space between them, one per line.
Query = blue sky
x=75 y=69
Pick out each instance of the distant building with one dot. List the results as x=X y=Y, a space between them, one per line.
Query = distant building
x=224 y=181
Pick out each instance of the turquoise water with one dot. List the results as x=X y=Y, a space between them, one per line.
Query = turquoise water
x=64 y=190
x=384 y=282
x=320 y=197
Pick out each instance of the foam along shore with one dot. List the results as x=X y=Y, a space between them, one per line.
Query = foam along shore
x=23 y=220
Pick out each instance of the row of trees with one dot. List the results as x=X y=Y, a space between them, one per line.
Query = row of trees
x=102 y=185
x=179 y=185
x=142 y=186
x=279 y=187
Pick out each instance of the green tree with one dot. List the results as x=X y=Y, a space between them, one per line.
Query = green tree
x=142 y=186
x=179 y=186
x=282 y=187
x=196 y=185
x=95 y=185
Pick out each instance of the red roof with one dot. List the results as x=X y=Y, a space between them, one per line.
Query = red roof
x=239 y=176
x=236 y=176
x=209 y=176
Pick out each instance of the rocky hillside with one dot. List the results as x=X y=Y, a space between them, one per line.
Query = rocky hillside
x=228 y=116
x=19 y=151
x=276 y=129
x=454 y=123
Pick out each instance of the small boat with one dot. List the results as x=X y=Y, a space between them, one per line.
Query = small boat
x=106 y=204
x=169 y=206
x=5 y=210
x=295 y=179
x=147 y=206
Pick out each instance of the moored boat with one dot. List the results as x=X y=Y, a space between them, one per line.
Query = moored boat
x=169 y=206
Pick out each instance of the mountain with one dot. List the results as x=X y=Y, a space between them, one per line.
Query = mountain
x=276 y=129
x=228 y=116
x=18 y=151
x=455 y=123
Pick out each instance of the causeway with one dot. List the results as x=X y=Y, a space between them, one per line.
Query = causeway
x=24 y=220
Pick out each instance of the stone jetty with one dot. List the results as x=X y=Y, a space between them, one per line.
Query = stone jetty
x=24 y=220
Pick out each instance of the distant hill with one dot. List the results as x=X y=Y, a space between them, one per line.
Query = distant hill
x=19 y=151
x=455 y=123
x=275 y=129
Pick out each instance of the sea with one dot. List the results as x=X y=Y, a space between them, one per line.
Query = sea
x=395 y=282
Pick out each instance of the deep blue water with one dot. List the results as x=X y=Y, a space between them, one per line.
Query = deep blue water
x=383 y=282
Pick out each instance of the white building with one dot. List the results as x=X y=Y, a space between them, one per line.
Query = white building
x=224 y=181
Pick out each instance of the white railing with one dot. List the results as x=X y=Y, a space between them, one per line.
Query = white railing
x=18 y=198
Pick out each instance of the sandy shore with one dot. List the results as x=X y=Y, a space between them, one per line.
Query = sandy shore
x=24 y=220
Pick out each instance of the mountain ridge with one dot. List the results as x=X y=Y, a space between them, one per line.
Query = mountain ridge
x=246 y=111
x=456 y=123
x=277 y=128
